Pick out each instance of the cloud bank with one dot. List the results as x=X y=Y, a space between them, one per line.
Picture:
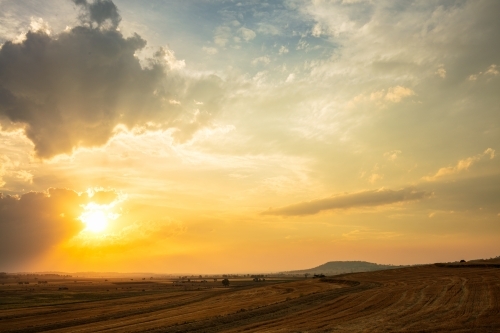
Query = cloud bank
x=370 y=198
x=72 y=89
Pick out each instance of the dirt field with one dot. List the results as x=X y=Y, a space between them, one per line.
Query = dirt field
x=416 y=299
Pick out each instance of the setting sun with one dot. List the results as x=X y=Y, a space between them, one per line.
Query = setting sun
x=96 y=220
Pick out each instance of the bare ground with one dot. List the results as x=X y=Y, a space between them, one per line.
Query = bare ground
x=417 y=299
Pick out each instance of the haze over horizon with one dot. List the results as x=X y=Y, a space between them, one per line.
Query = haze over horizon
x=360 y=265
x=247 y=136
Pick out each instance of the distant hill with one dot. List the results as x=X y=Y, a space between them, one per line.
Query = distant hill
x=477 y=263
x=495 y=260
x=340 y=267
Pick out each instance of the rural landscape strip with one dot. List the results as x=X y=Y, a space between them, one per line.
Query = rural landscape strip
x=264 y=313
x=89 y=302
x=426 y=298
x=115 y=315
x=124 y=314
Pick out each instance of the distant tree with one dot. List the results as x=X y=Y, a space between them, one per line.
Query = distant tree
x=215 y=280
x=225 y=282
x=306 y=275
x=462 y=260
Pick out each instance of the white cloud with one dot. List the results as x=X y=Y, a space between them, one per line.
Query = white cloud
x=210 y=50
x=222 y=35
x=317 y=30
x=4 y=163
x=392 y=155
x=380 y=97
x=283 y=50
x=261 y=60
x=441 y=72
x=268 y=29
x=38 y=24
x=491 y=70
x=9 y=168
x=301 y=45
x=247 y=34
x=235 y=23
x=396 y=94
x=393 y=94
x=171 y=60
x=375 y=177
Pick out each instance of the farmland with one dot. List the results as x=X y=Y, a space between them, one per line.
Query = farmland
x=452 y=298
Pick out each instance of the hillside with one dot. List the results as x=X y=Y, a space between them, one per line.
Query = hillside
x=339 y=267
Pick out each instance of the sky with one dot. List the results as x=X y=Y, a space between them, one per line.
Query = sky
x=221 y=136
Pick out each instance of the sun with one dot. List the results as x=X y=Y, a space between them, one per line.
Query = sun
x=95 y=219
x=98 y=217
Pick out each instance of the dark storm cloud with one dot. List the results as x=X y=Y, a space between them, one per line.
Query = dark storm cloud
x=33 y=222
x=72 y=89
x=99 y=12
x=346 y=201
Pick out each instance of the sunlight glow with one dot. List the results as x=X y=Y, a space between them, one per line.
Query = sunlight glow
x=97 y=217
x=95 y=220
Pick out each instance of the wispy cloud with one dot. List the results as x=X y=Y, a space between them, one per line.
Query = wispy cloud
x=462 y=165
x=490 y=71
x=371 y=198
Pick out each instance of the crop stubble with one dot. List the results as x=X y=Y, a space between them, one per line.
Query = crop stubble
x=415 y=299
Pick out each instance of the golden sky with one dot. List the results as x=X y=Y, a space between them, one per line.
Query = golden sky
x=221 y=136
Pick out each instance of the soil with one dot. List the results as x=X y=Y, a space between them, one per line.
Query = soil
x=432 y=298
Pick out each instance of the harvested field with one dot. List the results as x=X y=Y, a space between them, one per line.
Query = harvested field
x=417 y=299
